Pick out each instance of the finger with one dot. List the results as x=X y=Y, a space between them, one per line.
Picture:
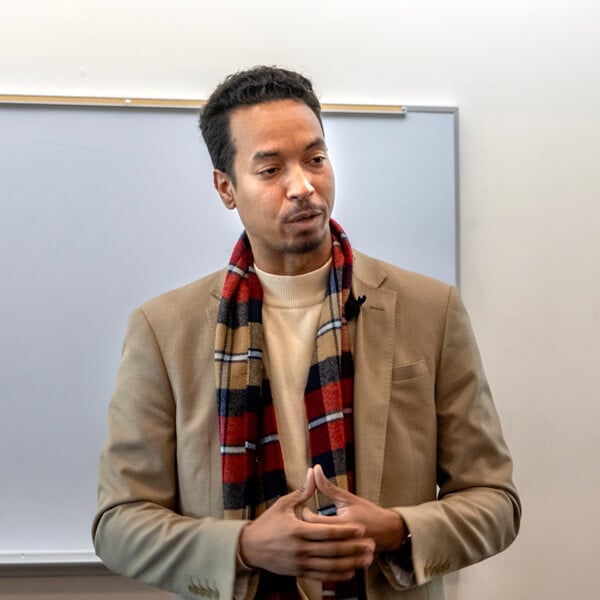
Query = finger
x=327 y=530
x=329 y=489
x=336 y=567
x=309 y=487
x=352 y=548
x=303 y=494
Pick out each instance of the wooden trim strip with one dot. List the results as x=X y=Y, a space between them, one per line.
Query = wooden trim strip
x=174 y=103
x=100 y=101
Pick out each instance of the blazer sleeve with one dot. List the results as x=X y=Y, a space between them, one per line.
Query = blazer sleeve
x=137 y=530
x=477 y=512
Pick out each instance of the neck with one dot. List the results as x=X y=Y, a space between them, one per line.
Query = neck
x=293 y=263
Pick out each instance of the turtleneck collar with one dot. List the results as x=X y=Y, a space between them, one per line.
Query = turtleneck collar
x=294 y=291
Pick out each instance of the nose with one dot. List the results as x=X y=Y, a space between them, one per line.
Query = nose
x=299 y=185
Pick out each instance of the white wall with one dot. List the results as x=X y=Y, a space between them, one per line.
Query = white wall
x=526 y=77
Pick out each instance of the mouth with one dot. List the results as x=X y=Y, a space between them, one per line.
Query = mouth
x=303 y=215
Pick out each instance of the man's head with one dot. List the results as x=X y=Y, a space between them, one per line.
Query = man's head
x=264 y=131
x=246 y=88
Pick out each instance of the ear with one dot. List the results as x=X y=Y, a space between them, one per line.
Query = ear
x=225 y=188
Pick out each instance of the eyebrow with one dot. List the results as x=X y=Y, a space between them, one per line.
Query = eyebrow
x=318 y=142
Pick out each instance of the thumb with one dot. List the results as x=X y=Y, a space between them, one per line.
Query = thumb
x=303 y=494
x=326 y=487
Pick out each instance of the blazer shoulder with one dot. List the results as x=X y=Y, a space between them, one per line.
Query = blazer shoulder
x=409 y=286
x=187 y=300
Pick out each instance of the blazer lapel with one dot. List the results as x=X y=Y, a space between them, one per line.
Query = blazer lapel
x=373 y=361
x=216 y=487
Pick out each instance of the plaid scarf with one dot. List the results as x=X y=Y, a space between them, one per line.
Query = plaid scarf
x=252 y=461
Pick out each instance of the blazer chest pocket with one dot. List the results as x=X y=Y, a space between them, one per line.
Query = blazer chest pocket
x=412 y=406
x=410 y=371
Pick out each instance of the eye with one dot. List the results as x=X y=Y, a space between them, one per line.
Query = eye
x=268 y=171
x=318 y=160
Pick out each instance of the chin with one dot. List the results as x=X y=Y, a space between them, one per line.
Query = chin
x=306 y=246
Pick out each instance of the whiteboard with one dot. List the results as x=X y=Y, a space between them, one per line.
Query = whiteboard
x=101 y=209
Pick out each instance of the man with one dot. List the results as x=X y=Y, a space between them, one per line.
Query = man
x=309 y=422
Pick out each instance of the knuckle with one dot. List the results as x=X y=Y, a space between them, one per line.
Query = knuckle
x=297 y=548
x=296 y=528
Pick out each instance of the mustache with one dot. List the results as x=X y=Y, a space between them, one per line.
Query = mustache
x=303 y=211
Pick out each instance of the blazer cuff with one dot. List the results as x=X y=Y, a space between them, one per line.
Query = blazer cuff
x=246 y=580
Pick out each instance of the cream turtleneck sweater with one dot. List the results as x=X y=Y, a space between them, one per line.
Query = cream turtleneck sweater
x=291 y=310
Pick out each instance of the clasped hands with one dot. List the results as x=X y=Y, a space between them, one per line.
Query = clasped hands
x=324 y=548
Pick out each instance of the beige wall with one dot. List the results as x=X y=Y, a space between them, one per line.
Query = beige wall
x=526 y=78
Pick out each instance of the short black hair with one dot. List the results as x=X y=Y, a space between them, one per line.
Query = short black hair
x=245 y=88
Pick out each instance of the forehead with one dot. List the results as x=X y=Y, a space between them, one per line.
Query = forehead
x=272 y=124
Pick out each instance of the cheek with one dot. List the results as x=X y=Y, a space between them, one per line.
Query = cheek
x=327 y=192
x=326 y=184
x=258 y=213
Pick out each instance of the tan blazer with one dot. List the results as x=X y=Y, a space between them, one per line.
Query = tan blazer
x=423 y=418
